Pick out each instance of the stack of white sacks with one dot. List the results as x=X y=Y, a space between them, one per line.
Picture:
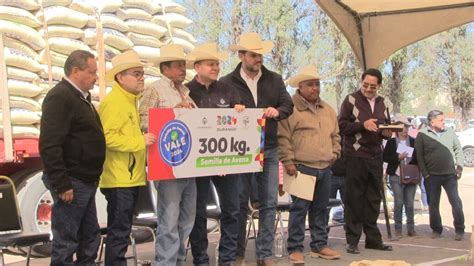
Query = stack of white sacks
x=142 y=25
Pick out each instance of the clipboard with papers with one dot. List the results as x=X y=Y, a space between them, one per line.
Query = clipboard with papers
x=301 y=186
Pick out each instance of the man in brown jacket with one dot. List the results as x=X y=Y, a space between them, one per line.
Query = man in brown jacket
x=309 y=142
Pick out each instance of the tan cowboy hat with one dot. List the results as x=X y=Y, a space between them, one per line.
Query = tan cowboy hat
x=205 y=51
x=401 y=119
x=308 y=72
x=171 y=52
x=123 y=61
x=252 y=42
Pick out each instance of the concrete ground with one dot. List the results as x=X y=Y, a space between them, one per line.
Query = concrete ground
x=420 y=250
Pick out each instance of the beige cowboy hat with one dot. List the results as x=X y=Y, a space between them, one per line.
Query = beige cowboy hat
x=252 y=42
x=205 y=51
x=401 y=119
x=121 y=62
x=305 y=73
x=171 y=52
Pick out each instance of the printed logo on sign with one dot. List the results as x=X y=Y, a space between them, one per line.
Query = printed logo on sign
x=174 y=142
x=226 y=123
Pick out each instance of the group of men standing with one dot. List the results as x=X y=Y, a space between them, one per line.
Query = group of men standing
x=82 y=149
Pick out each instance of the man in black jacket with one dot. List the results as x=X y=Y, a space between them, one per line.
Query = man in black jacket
x=260 y=88
x=72 y=147
x=207 y=92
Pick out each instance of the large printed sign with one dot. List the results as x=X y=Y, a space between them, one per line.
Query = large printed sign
x=203 y=142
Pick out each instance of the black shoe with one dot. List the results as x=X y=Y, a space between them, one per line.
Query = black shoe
x=381 y=246
x=352 y=249
x=459 y=236
x=435 y=235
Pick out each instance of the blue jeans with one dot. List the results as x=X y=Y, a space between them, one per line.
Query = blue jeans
x=120 y=207
x=316 y=210
x=404 y=195
x=267 y=186
x=227 y=190
x=74 y=225
x=176 y=210
x=450 y=185
x=424 y=195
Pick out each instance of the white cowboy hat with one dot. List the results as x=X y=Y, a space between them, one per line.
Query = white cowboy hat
x=171 y=52
x=205 y=51
x=308 y=72
x=252 y=42
x=121 y=62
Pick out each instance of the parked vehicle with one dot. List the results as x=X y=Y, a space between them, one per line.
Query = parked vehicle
x=466 y=138
x=451 y=122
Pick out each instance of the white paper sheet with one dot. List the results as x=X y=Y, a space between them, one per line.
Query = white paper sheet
x=404 y=148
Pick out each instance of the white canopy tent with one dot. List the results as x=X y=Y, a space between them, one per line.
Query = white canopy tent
x=375 y=29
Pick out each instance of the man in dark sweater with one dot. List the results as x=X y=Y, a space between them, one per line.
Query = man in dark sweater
x=72 y=147
x=259 y=87
x=360 y=115
x=440 y=159
x=207 y=92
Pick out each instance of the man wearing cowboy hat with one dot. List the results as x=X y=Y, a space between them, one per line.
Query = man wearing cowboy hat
x=176 y=198
x=309 y=142
x=260 y=88
x=124 y=167
x=208 y=92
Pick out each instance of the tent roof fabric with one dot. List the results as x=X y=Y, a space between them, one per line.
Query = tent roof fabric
x=375 y=29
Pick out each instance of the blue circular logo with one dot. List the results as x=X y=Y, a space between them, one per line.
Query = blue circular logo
x=174 y=142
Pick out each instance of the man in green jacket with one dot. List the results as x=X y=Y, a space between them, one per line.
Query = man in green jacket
x=124 y=167
x=440 y=159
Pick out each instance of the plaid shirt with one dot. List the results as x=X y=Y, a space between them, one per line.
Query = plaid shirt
x=161 y=94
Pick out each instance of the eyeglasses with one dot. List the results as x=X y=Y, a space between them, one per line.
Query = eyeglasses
x=137 y=74
x=372 y=86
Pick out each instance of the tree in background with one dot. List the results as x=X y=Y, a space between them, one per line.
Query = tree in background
x=416 y=78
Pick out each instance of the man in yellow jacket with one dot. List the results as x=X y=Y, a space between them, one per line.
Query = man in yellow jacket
x=124 y=167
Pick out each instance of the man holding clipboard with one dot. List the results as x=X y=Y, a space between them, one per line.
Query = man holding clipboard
x=309 y=143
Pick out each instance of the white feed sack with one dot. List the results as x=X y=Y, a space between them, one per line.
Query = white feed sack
x=19 y=15
x=144 y=40
x=30 y=5
x=57 y=72
x=61 y=15
x=173 y=19
x=141 y=4
x=57 y=59
x=22 y=117
x=65 y=45
x=24 y=103
x=109 y=6
x=23 y=131
x=146 y=27
x=23 y=88
x=83 y=8
x=47 y=3
x=133 y=13
x=113 y=38
x=19 y=59
x=21 y=74
x=23 y=33
x=188 y=47
x=63 y=31
x=19 y=46
x=147 y=53
x=108 y=20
